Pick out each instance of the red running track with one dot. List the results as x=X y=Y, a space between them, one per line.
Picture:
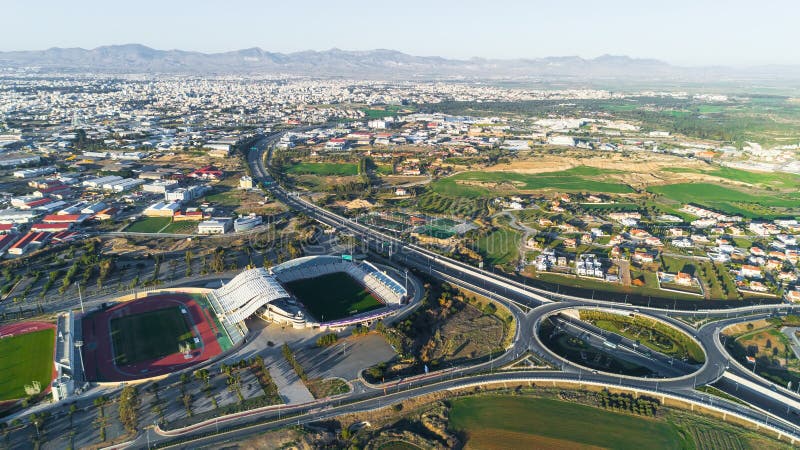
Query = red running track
x=15 y=329
x=97 y=345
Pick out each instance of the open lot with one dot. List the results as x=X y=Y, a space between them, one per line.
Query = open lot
x=25 y=358
x=500 y=246
x=495 y=422
x=149 y=335
x=481 y=184
x=333 y=296
x=730 y=200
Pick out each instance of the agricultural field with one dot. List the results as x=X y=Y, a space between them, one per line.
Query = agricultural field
x=333 y=296
x=149 y=335
x=483 y=184
x=148 y=225
x=323 y=169
x=25 y=358
x=497 y=422
x=730 y=200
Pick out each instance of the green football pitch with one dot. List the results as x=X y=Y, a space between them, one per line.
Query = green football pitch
x=149 y=335
x=333 y=296
x=24 y=359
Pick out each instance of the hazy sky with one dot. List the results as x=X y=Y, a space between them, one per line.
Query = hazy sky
x=699 y=32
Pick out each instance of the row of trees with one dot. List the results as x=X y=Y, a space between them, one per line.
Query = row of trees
x=643 y=406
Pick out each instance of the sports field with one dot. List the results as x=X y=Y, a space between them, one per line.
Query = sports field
x=495 y=422
x=25 y=358
x=148 y=225
x=333 y=296
x=149 y=335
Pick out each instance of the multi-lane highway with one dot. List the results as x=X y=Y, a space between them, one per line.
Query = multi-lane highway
x=769 y=406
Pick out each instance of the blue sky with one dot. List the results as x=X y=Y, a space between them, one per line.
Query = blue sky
x=699 y=32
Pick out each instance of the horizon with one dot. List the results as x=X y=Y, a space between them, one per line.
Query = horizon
x=738 y=35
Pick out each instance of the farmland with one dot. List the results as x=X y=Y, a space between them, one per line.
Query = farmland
x=481 y=184
x=495 y=422
x=730 y=200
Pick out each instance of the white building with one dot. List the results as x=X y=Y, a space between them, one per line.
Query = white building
x=219 y=225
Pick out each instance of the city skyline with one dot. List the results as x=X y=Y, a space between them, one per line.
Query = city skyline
x=738 y=35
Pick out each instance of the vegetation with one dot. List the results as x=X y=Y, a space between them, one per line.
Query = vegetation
x=482 y=184
x=148 y=225
x=326 y=340
x=650 y=333
x=324 y=169
x=505 y=422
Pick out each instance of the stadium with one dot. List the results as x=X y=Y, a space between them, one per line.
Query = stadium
x=145 y=336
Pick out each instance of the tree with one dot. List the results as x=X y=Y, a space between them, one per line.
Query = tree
x=129 y=408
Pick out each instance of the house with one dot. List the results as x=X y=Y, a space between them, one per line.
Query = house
x=749 y=271
x=793 y=296
x=684 y=279
x=207 y=173
x=643 y=256
x=400 y=192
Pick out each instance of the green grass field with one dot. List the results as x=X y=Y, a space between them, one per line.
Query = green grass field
x=149 y=335
x=185 y=227
x=148 y=225
x=481 y=184
x=23 y=359
x=333 y=296
x=500 y=246
x=324 y=169
x=777 y=180
x=496 y=422
x=730 y=200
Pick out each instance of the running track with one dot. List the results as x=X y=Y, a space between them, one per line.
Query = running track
x=98 y=351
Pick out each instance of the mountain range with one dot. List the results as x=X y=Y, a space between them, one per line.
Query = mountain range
x=135 y=58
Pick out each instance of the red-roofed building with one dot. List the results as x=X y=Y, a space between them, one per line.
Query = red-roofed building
x=182 y=216
x=6 y=228
x=65 y=218
x=6 y=240
x=51 y=227
x=64 y=236
x=207 y=173
x=28 y=242
x=106 y=214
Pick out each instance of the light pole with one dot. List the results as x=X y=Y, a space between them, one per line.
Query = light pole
x=80 y=297
x=79 y=345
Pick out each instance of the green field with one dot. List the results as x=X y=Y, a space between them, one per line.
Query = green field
x=500 y=246
x=324 y=169
x=185 y=227
x=496 y=422
x=23 y=359
x=730 y=200
x=149 y=335
x=777 y=180
x=333 y=296
x=148 y=225
x=482 y=184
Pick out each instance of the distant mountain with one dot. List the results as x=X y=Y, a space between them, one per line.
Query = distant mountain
x=135 y=58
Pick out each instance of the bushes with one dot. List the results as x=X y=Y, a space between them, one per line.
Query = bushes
x=326 y=340
x=289 y=355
